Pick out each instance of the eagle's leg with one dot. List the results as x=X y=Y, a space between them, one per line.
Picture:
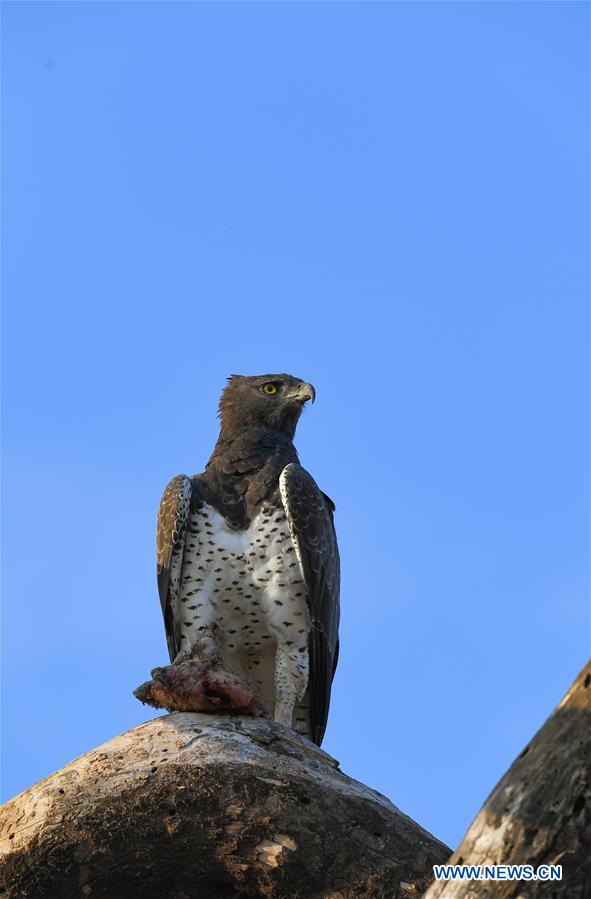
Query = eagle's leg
x=182 y=656
x=202 y=645
x=291 y=679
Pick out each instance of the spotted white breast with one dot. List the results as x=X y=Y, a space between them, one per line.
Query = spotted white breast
x=247 y=585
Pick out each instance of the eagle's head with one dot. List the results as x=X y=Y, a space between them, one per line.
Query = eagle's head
x=272 y=401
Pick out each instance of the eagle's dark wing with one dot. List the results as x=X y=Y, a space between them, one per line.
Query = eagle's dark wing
x=181 y=496
x=309 y=514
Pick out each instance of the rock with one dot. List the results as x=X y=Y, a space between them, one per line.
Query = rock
x=210 y=806
x=538 y=814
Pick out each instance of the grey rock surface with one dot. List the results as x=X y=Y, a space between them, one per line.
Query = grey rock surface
x=196 y=805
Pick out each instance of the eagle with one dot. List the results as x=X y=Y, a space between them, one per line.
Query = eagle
x=247 y=557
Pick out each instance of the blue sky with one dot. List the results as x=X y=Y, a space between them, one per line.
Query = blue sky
x=389 y=200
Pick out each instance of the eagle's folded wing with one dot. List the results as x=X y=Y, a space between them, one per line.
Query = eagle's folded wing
x=310 y=516
x=173 y=517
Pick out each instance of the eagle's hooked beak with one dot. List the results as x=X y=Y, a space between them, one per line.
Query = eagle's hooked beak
x=303 y=393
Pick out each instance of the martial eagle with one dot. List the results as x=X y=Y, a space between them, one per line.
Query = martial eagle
x=247 y=556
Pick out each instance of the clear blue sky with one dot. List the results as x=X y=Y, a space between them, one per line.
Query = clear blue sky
x=389 y=200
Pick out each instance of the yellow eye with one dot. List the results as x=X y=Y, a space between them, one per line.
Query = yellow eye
x=269 y=389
